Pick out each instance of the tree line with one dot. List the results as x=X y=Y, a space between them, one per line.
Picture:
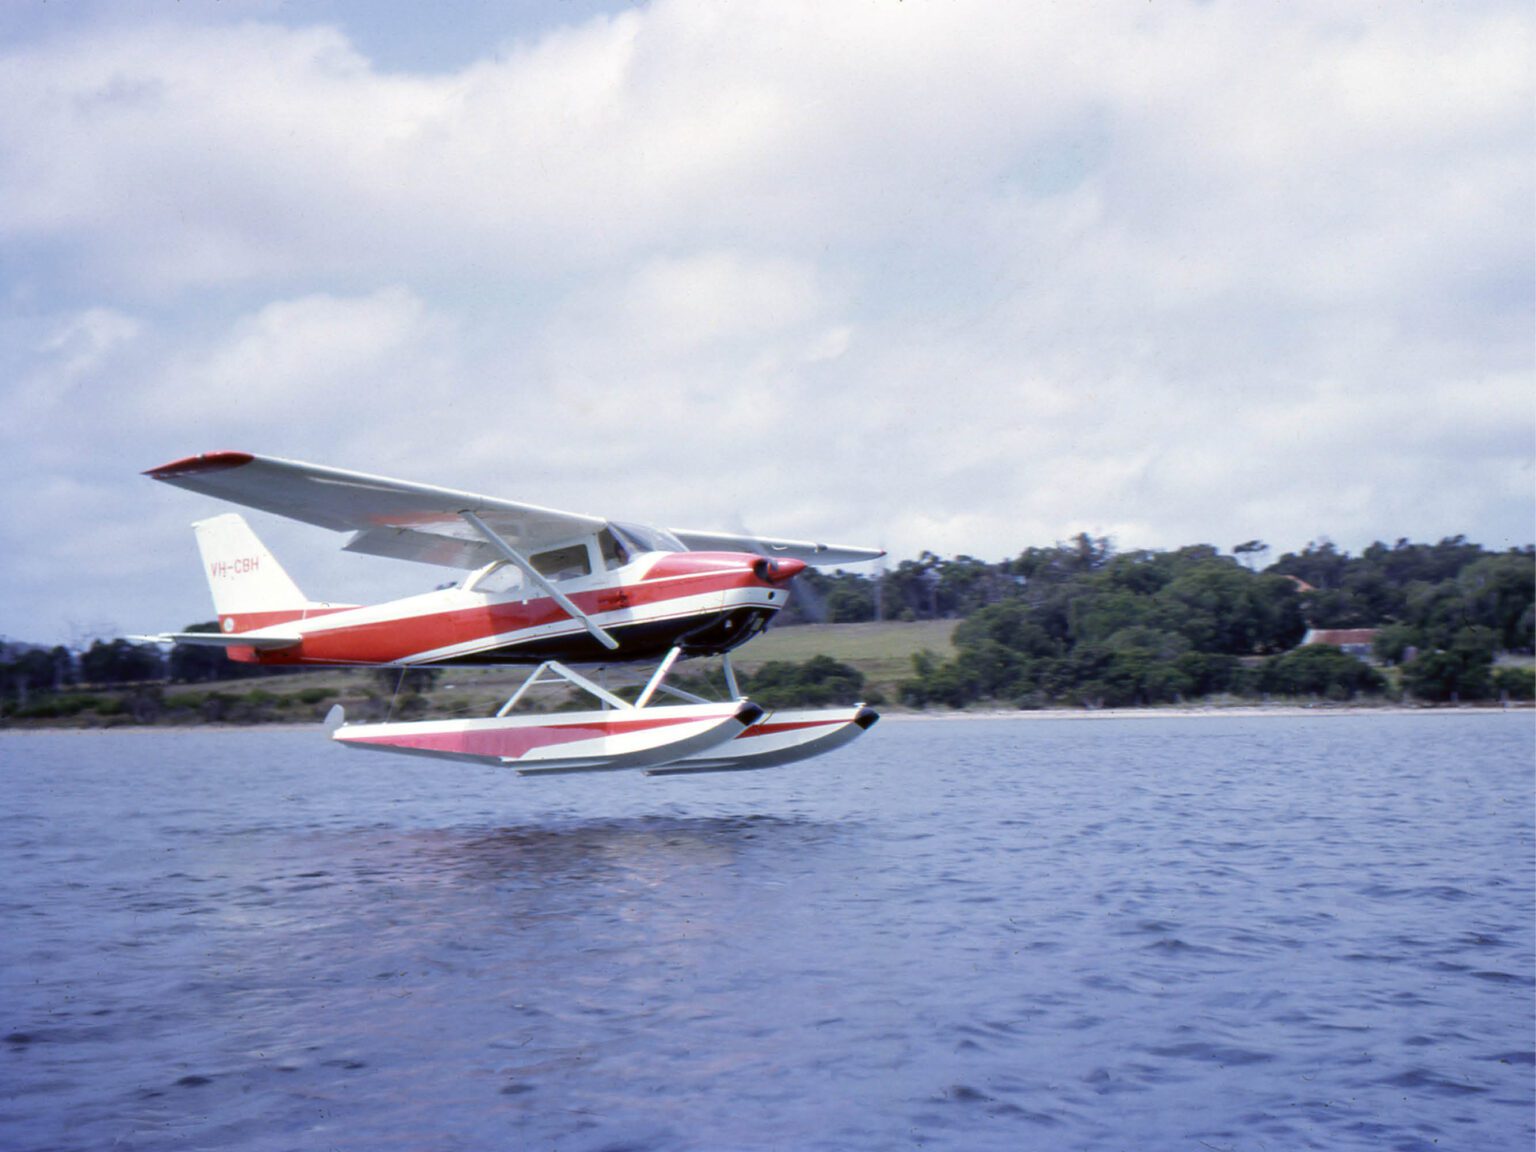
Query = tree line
x=1079 y=623
x=29 y=669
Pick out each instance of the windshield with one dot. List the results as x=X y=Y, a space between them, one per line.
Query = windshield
x=643 y=538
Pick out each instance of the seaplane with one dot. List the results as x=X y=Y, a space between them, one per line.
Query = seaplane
x=544 y=588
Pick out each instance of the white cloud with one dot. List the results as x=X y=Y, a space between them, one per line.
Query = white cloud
x=51 y=384
x=675 y=306
x=317 y=364
x=960 y=277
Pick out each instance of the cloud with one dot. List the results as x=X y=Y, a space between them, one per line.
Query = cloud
x=675 y=306
x=317 y=362
x=960 y=277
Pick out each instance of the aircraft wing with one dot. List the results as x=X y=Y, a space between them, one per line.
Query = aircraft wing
x=807 y=550
x=394 y=518
x=407 y=521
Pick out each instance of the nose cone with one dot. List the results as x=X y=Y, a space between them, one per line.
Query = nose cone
x=777 y=571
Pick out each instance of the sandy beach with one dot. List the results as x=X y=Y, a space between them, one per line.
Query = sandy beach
x=1234 y=712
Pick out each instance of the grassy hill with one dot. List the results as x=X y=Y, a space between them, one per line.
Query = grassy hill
x=883 y=652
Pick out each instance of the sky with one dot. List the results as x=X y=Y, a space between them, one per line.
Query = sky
x=959 y=277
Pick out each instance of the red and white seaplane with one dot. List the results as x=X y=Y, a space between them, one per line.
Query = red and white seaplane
x=545 y=588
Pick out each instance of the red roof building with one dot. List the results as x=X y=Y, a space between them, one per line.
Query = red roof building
x=1355 y=641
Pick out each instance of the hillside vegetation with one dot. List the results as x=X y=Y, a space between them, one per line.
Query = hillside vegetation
x=1086 y=626
x=1075 y=624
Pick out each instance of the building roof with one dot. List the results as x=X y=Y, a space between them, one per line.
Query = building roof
x=1339 y=636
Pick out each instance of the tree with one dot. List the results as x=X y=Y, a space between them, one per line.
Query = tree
x=1336 y=608
x=1103 y=611
x=1499 y=592
x=1250 y=552
x=966 y=584
x=850 y=599
x=197 y=663
x=1393 y=643
x=910 y=589
x=1222 y=607
x=1319 y=670
x=1515 y=683
x=37 y=670
x=1434 y=589
x=1320 y=564
x=1443 y=675
x=120 y=662
x=1011 y=624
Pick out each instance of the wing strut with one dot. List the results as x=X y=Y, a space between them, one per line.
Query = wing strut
x=538 y=578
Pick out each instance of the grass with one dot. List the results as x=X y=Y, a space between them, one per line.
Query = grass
x=883 y=652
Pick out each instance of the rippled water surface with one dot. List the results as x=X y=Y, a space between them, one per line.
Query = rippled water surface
x=1208 y=933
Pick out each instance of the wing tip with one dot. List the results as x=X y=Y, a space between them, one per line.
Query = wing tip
x=205 y=462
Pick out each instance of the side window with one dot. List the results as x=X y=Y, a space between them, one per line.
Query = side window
x=615 y=555
x=501 y=578
x=563 y=563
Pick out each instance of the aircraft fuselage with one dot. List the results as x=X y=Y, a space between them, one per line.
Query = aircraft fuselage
x=705 y=603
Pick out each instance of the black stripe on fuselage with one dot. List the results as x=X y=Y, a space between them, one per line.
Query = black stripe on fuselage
x=709 y=636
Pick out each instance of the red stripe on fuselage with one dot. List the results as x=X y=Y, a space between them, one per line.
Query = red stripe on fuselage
x=400 y=638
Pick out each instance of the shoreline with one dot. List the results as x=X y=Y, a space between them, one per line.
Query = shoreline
x=948 y=716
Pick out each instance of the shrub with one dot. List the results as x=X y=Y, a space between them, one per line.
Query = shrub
x=1319 y=670
x=817 y=682
x=1515 y=683
x=1441 y=676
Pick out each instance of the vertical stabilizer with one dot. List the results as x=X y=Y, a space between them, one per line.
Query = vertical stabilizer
x=250 y=588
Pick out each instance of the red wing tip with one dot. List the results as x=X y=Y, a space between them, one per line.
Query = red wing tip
x=207 y=462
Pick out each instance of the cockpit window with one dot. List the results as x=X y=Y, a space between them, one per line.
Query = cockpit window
x=563 y=563
x=614 y=551
x=498 y=578
x=643 y=538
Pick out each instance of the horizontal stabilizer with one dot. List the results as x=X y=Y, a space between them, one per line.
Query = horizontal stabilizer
x=221 y=639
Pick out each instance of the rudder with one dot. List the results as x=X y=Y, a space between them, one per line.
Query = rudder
x=250 y=588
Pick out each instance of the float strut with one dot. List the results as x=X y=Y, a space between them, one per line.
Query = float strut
x=657 y=677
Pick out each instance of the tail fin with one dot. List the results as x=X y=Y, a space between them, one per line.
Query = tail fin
x=250 y=588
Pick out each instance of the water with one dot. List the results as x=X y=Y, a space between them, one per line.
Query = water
x=1230 y=934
